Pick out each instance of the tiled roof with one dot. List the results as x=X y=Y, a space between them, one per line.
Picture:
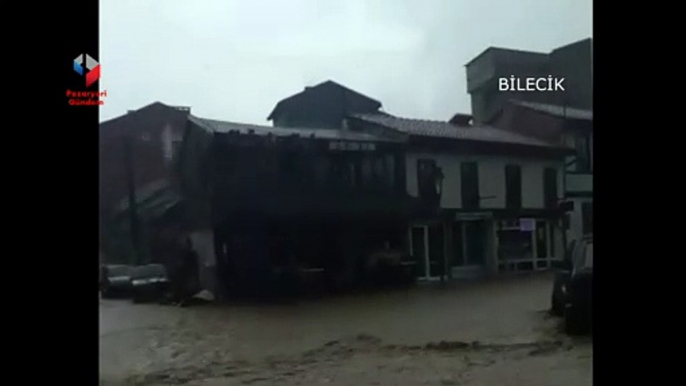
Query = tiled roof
x=245 y=128
x=440 y=129
x=557 y=110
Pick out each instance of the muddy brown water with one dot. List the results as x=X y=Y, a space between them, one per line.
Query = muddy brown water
x=430 y=325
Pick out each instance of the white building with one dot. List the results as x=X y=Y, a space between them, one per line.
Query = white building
x=568 y=127
x=496 y=195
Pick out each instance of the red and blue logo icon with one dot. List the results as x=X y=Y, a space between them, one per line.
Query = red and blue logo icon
x=92 y=65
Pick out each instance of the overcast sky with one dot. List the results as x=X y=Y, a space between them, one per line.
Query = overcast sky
x=235 y=59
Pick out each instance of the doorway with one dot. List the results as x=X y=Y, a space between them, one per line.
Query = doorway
x=427 y=248
x=469 y=243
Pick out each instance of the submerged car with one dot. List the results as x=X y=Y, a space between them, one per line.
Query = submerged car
x=572 y=291
x=115 y=280
x=149 y=283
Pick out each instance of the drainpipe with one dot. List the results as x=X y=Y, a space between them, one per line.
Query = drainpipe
x=564 y=214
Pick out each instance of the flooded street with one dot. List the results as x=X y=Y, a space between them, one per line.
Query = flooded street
x=475 y=334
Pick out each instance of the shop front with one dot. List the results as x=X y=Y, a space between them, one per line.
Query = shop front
x=457 y=246
x=471 y=245
x=528 y=244
x=427 y=248
x=467 y=246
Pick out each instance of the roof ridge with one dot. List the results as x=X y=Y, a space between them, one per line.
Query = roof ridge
x=232 y=122
x=414 y=119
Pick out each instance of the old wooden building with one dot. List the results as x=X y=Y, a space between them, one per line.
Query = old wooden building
x=136 y=153
x=263 y=200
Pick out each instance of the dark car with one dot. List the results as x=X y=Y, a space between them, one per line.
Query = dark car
x=149 y=283
x=115 y=280
x=572 y=291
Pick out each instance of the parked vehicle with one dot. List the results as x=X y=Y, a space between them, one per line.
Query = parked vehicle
x=149 y=283
x=572 y=291
x=115 y=281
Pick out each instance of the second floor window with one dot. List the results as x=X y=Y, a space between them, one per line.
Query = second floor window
x=513 y=186
x=469 y=180
x=428 y=180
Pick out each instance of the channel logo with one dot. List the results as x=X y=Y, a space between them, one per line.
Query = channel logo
x=92 y=65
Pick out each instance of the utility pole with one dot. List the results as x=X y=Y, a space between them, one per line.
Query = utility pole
x=133 y=212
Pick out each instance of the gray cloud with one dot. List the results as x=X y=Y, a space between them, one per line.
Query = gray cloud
x=234 y=60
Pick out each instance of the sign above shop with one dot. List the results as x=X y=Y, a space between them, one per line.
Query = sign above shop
x=527 y=224
x=351 y=146
x=473 y=216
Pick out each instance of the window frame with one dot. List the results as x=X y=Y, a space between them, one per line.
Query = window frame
x=471 y=199
x=513 y=194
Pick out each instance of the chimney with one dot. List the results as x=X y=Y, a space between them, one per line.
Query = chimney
x=461 y=120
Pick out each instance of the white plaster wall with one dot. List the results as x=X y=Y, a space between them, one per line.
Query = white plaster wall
x=491 y=179
x=576 y=221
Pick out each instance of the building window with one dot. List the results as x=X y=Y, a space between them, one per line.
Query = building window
x=583 y=154
x=367 y=171
x=587 y=218
x=289 y=163
x=515 y=248
x=550 y=187
x=469 y=175
x=428 y=179
x=346 y=171
x=176 y=149
x=513 y=187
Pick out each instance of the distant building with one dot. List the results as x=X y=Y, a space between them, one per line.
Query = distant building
x=569 y=127
x=493 y=194
x=136 y=149
x=561 y=117
x=267 y=202
x=322 y=106
x=572 y=62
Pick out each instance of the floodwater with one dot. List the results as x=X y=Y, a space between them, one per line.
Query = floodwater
x=473 y=334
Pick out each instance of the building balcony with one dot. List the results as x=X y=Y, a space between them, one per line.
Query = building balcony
x=578 y=184
x=297 y=201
